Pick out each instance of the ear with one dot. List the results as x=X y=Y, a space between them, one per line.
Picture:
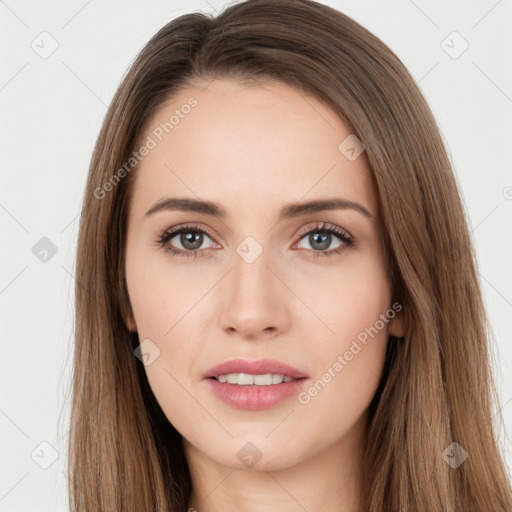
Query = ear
x=130 y=324
x=397 y=325
x=129 y=320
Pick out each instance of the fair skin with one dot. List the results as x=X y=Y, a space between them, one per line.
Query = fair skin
x=252 y=150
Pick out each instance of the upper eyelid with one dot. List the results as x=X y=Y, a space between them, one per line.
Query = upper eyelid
x=187 y=227
x=327 y=226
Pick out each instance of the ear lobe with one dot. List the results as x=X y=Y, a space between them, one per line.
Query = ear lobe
x=130 y=324
x=129 y=321
x=397 y=325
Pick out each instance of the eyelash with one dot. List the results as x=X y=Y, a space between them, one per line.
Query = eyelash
x=347 y=240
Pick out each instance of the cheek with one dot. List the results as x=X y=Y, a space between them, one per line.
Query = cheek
x=349 y=359
x=160 y=294
x=164 y=304
x=161 y=317
x=348 y=297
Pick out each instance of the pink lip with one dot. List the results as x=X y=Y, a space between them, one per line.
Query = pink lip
x=254 y=397
x=259 y=367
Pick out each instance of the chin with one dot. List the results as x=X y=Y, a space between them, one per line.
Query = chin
x=255 y=456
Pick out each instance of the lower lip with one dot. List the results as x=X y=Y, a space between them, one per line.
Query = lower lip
x=255 y=397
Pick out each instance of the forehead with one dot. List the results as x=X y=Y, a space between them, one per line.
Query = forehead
x=250 y=143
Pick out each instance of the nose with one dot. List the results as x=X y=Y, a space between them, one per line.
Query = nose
x=254 y=302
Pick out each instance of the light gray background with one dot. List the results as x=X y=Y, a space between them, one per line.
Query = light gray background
x=51 y=111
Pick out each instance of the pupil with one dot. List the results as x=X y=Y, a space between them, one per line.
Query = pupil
x=323 y=240
x=191 y=240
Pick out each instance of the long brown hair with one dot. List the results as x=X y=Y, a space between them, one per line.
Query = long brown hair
x=437 y=387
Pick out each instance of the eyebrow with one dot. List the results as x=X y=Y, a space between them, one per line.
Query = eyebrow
x=288 y=211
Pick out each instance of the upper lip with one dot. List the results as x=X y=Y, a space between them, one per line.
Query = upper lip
x=258 y=367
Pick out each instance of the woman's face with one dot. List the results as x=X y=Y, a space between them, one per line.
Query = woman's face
x=257 y=274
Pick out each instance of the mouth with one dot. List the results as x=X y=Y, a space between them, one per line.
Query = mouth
x=254 y=384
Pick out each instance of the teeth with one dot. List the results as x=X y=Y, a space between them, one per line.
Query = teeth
x=245 y=379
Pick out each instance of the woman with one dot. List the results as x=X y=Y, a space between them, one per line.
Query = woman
x=277 y=303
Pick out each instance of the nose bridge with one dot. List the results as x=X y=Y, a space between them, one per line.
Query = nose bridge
x=250 y=272
x=253 y=300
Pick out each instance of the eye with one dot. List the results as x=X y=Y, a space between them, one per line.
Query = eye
x=320 y=238
x=185 y=241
